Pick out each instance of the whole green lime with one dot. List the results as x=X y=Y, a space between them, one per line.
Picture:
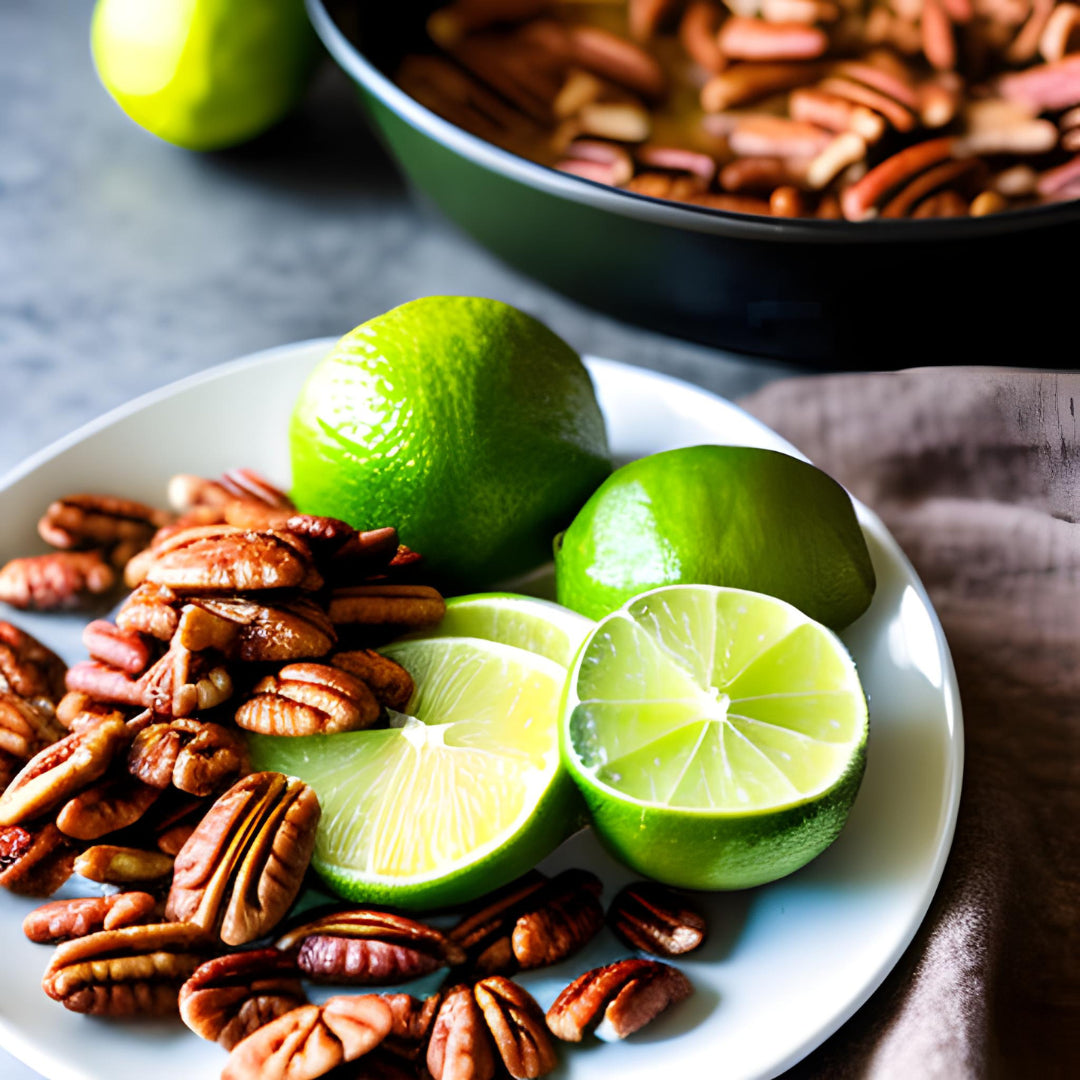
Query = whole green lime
x=462 y=421
x=204 y=74
x=718 y=515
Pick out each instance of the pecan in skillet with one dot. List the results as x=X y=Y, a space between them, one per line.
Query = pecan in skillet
x=517 y=1025
x=34 y=861
x=229 y=997
x=249 y=631
x=412 y=1020
x=366 y=946
x=151 y=609
x=28 y=668
x=404 y=607
x=242 y=867
x=655 y=919
x=59 y=580
x=119 y=527
x=134 y=971
x=65 y=920
x=60 y=771
x=310 y=1041
x=391 y=684
x=624 y=996
x=118 y=648
x=107 y=806
x=460 y=1046
x=113 y=864
x=309 y=699
x=182 y=683
x=191 y=755
x=24 y=728
x=562 y=918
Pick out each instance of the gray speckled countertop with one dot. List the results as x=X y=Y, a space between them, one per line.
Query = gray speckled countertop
x=126 y=263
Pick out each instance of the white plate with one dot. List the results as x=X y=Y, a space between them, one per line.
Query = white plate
x=784 y=966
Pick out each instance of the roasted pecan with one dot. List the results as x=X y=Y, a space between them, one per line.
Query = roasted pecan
x=310 y=1041
x=255 y=632
x=491 y=925
x=563 y=917
x=187 y=492
x=326 y=536
x=152 y=610
x=113 y=864
x=460 y=1046
x=229 y=997
x=517 y=1025
x=224 y=559
x=61 y=579
x=34 y=861
x=25 y=728
x=135 y=971
x=364 y=946
x=78 y=711
x=624 y=996
x=363 y=554
x=120 y=527
x=182 y=683
x=60 y=771
x=242 y=867
x=27 y=667
x=653 y=918
x=391 y=684
x=118 y=648
x=65 y=920
x=412 y=1020
x=244 y=514
x=309 y=699
x=404 y=607
x=111 y=804
x=193 y=756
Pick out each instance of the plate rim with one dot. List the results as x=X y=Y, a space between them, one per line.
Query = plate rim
x=28 y=1052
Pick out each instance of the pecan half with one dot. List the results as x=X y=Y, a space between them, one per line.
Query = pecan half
x=517 y=1025
x=151 y=609
x=186 y=492
x=113 y=864
x=135 y=971
x=487 y=931
x=111 y=804
x=309 y=699
x=460 y=1046
x=242 y=867
x=224 y=559
x=255 y=632
x=412 y=1020
x=310 y=1041
x=565 y=916
x=325 y=535
x=363 y=554
x=25 y=729
x=229 y=997
x=365 y=946
x=65 y=920
x=183 y=682
x=118 y=648
x=53 y=582
x=391 y=684
x=27 y=667
x=122 y=527
x=60 y=771
x=405 y=607
x=104 y=684
x=653 y=918
x=34 y=861
x=191 y=755
x=624 y=996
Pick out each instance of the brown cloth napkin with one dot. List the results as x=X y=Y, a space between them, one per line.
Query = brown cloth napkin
x=977 y=474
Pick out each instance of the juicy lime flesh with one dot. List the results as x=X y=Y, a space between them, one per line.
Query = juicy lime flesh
x=447 y=785
x=711 y=699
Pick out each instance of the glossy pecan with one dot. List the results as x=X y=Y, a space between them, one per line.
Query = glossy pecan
x=517 y=1025
x=186 y=491
x=460 y=1045
x=412 y=1021
x=104 y=684
x=655 y=919
x=27 y=667
x=624 y=997
x=326 y=536
x=61 y=770
x=107 y=806
x=563 y=916
x=114 y=864
x=25 y=728
x=308 y=1042
x=191 y=755
x=135 y=971
x=224 y=559
x=34 y=861
x=65 y=920
x=364 y=946
x=404 y=607
x=229 y=997
x=118 y=648
x=257 y=633
x=121 y=527
x=363 y=554
x=151 y=609
x=391 y=684
x=182 y=683
x=57 y=581
x=309 y=699
x=242 y=867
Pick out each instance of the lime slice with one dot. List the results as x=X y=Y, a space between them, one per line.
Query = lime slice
x=462 y=793
x=718 y=735
x=525 y=622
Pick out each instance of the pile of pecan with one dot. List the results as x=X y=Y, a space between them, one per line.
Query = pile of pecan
x=796 y=108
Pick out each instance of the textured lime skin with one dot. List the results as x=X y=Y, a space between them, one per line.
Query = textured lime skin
x=464 y=422
x=204 y=74
x=718 y=515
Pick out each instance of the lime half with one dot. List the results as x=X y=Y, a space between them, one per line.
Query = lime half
x=525 y=622
x=461 y=794
x=718 y=735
